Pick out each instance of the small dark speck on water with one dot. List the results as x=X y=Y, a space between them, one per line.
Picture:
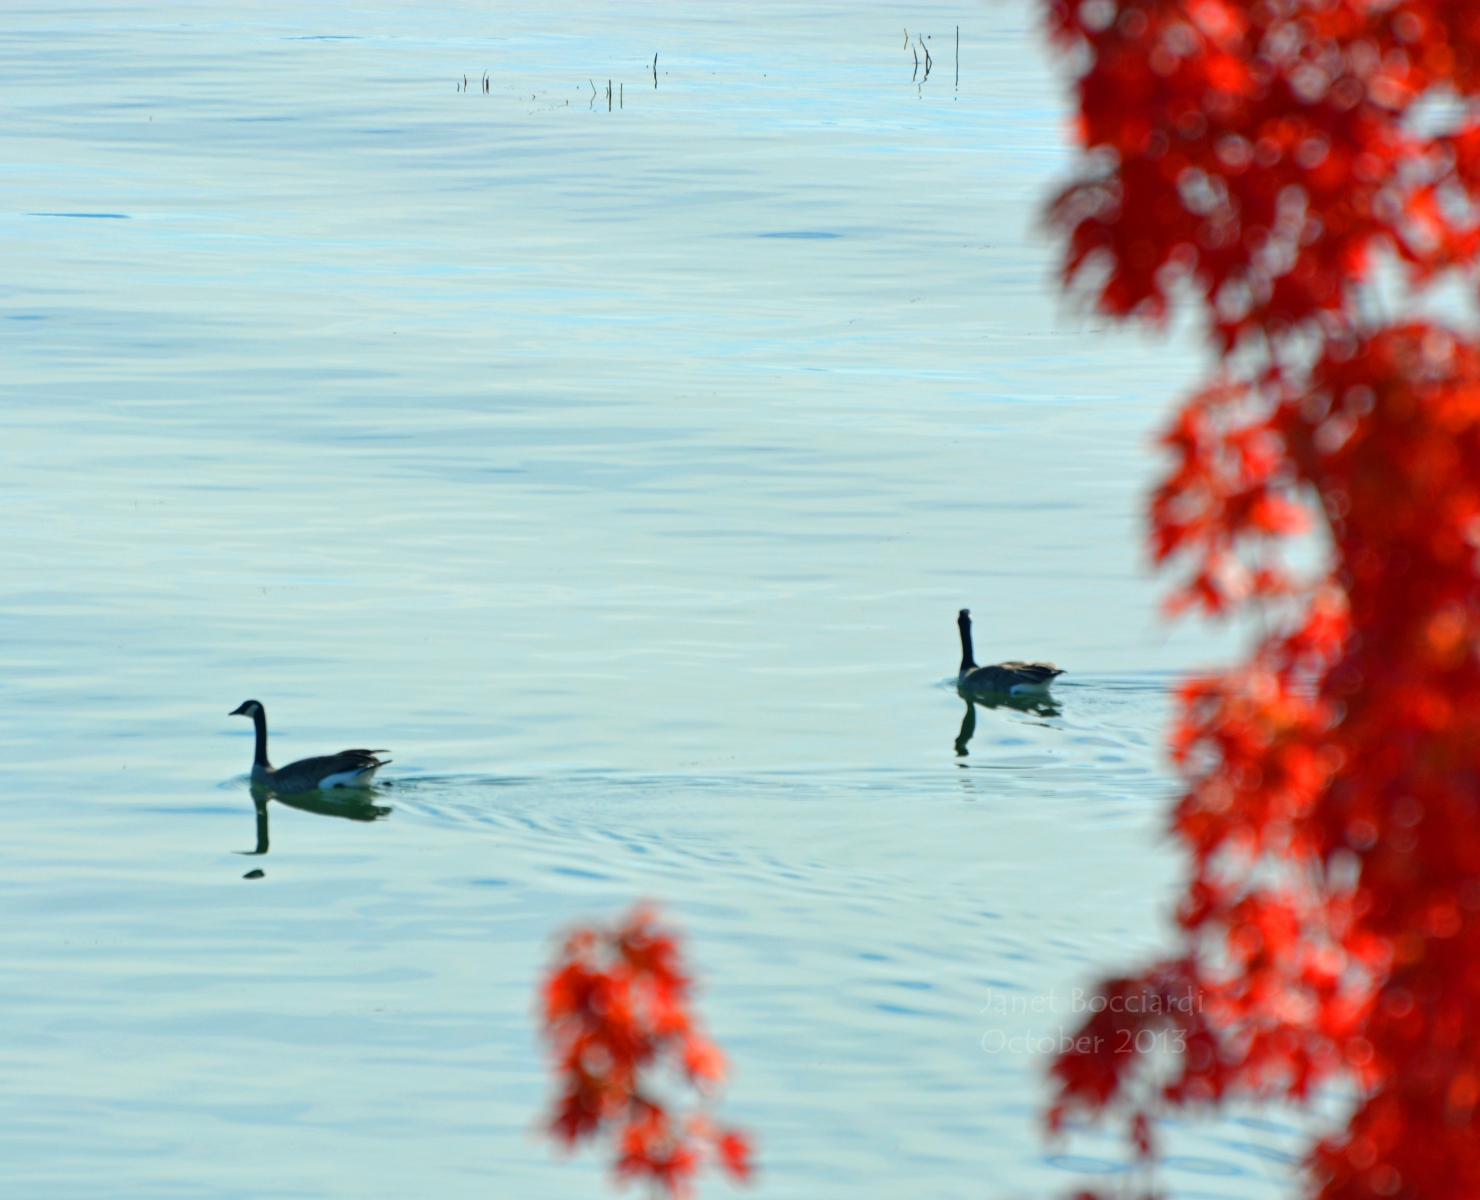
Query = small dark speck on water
x=258 y=874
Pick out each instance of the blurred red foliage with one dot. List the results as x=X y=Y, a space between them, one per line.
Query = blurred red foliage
x=615 y=1010
x=1258 y=159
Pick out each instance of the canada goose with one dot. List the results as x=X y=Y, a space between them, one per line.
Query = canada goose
x=1003 y=679
x=348 y=768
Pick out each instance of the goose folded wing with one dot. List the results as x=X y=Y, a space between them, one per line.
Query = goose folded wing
x=329 y=770
x=1038 y=672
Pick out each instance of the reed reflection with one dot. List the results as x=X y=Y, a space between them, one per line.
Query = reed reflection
x=1040 y=706
x=349 y=806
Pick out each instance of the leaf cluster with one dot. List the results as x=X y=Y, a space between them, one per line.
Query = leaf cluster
x=616 y=1012
x=1257 y=159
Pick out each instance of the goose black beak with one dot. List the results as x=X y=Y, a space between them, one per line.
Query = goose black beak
x=238 y=712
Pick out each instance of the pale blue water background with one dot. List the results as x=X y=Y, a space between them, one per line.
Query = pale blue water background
x=621 y=472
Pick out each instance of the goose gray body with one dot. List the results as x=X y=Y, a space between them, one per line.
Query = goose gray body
x=348 y=768
x=1000 y=679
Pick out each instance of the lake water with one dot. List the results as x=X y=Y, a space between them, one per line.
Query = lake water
x=621 y=471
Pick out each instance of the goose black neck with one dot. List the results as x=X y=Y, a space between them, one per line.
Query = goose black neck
x=963 y=623
x=259 y=719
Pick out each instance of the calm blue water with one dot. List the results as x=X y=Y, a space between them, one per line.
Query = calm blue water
x=622 y=472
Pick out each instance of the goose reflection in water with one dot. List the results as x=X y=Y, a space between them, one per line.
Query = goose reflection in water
x=350 y=806
x=1039 y=706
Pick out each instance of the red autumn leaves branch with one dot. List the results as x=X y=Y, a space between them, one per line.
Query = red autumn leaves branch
x=1258 y=159
x=1260 y=151
x=615 y=1011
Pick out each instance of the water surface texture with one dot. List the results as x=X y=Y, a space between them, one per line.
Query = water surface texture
x=622 y=471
